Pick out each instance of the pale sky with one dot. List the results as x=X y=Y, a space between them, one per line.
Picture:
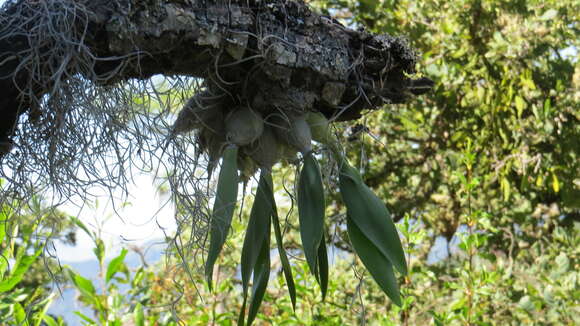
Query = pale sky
x=144 y=219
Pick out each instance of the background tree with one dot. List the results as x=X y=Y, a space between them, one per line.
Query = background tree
x=506 y=82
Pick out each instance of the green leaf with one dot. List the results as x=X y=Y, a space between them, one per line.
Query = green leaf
x=555 y=183
x=223 y=209
x=506 y=188
x=376 y=263
x=85 y=318
x=282 y=252
x=20 y=315
x=99 y=250
x=257 y=230
x=323 y=267
x=49 y=321
x=371 y=216
x=138 y=317
x=3 y=221
x=81 y=225
x=115 y=264
x=20 y=268
x=547 y=108
x=242 y=311
x=257 y=239
x=311 y=208
x=138 y=277
x=42 y=307
x=261 y=276
x=84 y=285
x=520 y=105
x=3 y=265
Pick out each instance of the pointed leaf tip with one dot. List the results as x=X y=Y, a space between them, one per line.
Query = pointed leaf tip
x=256 y=248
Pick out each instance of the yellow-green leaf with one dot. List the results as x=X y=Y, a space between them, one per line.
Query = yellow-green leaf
x=49 y=321
x=555 y=183
x=506 y=189
x=115 y=265
x=20 y=314
x=85 y=286
x=138 y=316
x=20 y=268
x=3 y=218
x=520 y=105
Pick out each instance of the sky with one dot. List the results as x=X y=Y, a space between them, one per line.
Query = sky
x=144 y=218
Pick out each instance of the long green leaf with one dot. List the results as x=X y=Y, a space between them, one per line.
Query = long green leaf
x=311 y=211
x=138 y=316
x=371 y=216
x=20 y=314
x=85 y=286
x=323 y=267
x=115 y=264
x=21 y=267
x=281 y=251
x=85 y=318
x=43 y=306
x=257 y=236
x=242 y=311
x=223 y=209
x=3 y=221
x=261 y=276
x=81 y=225
x=376 y=263
x=48 y=320
x=3 y=264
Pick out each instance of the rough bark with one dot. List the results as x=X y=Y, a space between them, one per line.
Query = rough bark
x=258 y=53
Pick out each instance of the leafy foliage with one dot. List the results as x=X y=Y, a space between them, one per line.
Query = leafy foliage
x=507 y=80
x=24 y=293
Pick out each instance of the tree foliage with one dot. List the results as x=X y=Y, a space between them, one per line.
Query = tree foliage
x=507 y=80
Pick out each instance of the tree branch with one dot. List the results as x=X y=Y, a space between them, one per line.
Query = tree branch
x=259 y=53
